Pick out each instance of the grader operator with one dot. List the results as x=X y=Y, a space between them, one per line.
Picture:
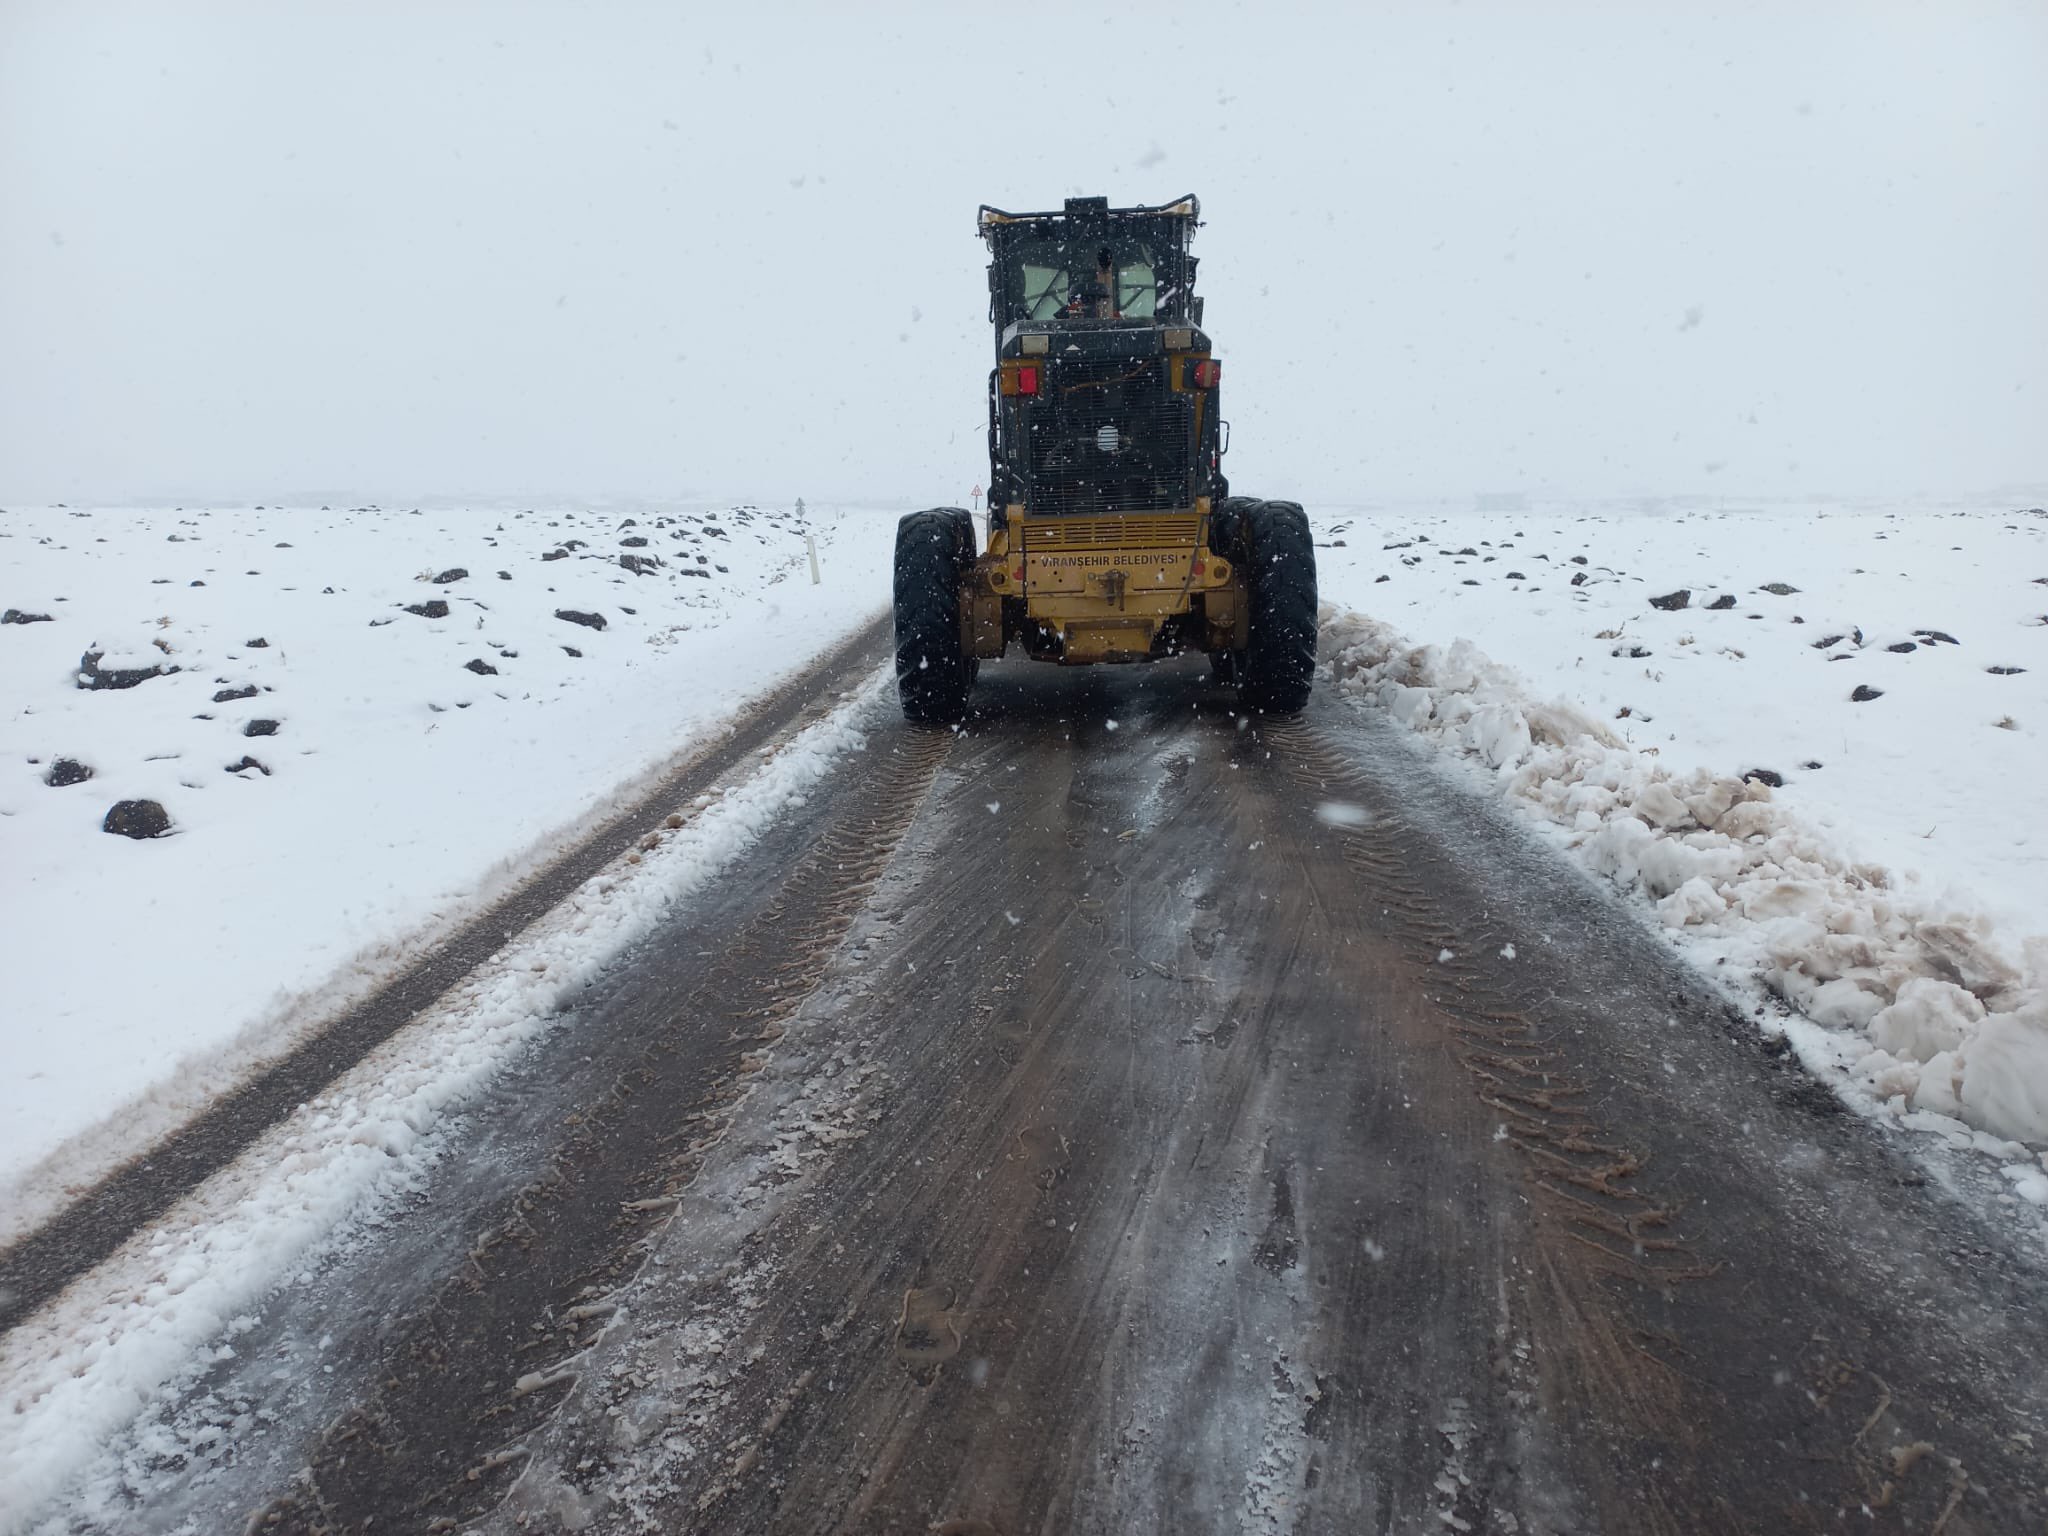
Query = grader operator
x=1112 y=535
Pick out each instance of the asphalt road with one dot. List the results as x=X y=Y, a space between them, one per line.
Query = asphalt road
x=1122 y=1116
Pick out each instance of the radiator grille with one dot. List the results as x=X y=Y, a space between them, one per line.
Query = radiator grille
x=1046 y=536
x=1108 y=436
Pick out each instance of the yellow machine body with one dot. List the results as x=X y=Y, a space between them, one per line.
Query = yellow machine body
x=1116 y=588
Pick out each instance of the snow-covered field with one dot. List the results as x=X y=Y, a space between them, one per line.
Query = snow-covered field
x=1823 y=764
x=362 y=725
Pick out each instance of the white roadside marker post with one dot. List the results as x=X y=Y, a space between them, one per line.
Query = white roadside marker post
x=810 y=541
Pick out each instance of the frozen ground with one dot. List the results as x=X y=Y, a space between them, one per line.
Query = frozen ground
x=439 y=728
x=1825 y=764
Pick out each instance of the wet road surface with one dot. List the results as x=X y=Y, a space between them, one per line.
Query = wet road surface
x=1118 y=1116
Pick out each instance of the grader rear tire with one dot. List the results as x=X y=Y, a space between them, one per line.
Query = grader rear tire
x=1278 y=556
x=933 y=669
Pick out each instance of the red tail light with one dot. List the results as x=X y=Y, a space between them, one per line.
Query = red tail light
x=1027 y=381
x=1206 y=373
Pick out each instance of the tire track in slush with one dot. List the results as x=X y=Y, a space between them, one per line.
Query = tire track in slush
x=497 y=1349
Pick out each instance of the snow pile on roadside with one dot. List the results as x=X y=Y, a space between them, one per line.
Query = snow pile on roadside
x=89 y=1363
x=1949 y=1022
x=363 y=725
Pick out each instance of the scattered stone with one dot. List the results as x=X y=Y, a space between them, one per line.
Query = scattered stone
x=195 y=583
x=1932 y=635
x=1778 y=588
x=633 y=541
x=1378 y=579
x=258 y=644
x=246 y=764
x=504 y=575
x=260 y=728
x=453 y=573
x=640 y=565
x=90 y=676
x=1468 y=550
x=137 y=818
x=698 y=570
x=2006 y=723
x=481 y=667
x=16 y=616
x=229 y=695
x=1725 y=600
x=1671 y=602
x=1764 y=776
x=1578 y=578
x=587 y=620
x=1902 y=647
x=433 y=608
x=556 y=554
x=573 y=652
x=1578 y=559
x=280 y=545
x=1516 y=576
x=2005 y=671
x=1811 y=764
x=66 y=770
x=1865 y=693
x=1469 y=582
x=1827 y=640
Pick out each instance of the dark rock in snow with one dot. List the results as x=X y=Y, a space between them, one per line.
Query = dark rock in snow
x=1578 y=559
x=16 y=616
x=258 y=644
x=640 y=565
x=1865 y=693
x=693 y=570
x=1725 y=600
x=246 y=764
x=137 y=818
x=1902 y=647
x=228 y=695
x=1811 y=763
x=433 y=608
x=66 y=770
x=587 y=620
x=633 y=541
x=1468 y=550
x=504 y=575
x=1932 y=635
x=1578 y=578
x=1378 y=579
x=260 y=728
x=90 y=676
x=2005 y=671
x=1827 y=640
x=1778 y=588
x=453 y=573
x=556 y=554
x=1468 y=581
x=481 y=667
x=573 y=652
x=1671 y=602
x=1765 y=776
x=1516 y=576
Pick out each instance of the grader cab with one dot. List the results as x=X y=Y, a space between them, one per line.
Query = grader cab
x=1112 y=536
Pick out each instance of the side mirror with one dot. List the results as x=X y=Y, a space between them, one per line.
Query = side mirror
x=1223 y=446
x=1196 y=308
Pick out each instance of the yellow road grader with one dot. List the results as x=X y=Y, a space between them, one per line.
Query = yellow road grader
x=1112 y=535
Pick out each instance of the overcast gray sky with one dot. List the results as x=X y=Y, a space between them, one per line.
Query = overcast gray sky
x=430 y=250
